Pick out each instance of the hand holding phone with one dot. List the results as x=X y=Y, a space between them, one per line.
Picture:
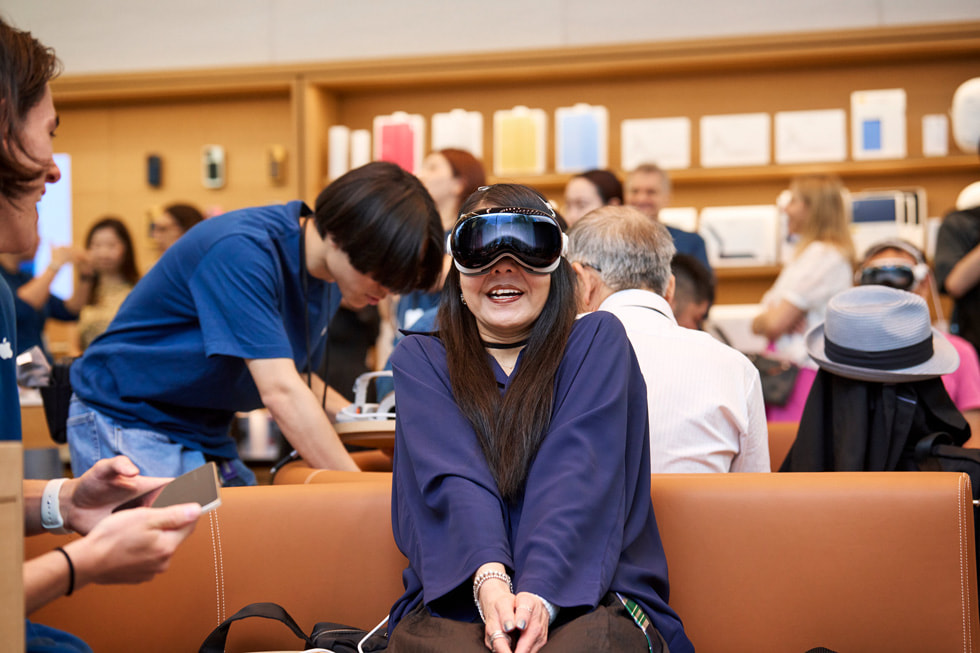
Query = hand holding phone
x=198 y=486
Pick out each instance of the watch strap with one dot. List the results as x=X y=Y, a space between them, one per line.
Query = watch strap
x=51 y=518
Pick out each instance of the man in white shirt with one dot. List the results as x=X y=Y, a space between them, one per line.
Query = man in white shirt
x=705 y=398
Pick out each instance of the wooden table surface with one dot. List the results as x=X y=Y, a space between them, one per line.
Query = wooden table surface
x=374 y=434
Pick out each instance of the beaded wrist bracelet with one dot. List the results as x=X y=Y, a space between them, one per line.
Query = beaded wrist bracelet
x=484 y=577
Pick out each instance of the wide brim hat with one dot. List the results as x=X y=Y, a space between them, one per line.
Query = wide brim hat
x=881 y=334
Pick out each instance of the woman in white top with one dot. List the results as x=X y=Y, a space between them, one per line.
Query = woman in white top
x=821 y=266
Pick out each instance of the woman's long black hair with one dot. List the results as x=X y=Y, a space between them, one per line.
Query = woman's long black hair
x=510 y=428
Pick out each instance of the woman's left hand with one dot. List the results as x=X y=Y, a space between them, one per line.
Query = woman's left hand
x=531 y=620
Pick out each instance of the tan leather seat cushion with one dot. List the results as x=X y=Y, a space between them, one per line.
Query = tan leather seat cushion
x=323 y=553
x=850 y=561
x=758 y=562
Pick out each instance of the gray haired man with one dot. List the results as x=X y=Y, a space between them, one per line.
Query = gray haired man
x=705 y=398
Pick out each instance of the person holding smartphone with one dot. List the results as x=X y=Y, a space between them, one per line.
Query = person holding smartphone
x=129 y=547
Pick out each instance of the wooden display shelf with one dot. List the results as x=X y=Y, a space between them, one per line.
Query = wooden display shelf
x=782 y=173
x=111 y=122
x=789 y=72
x=170 y=85
x=747 y=271
x=743 y=284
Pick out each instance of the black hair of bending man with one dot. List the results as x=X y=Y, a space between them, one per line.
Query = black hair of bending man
x=694 y=291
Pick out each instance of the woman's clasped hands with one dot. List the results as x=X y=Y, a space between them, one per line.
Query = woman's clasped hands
x=514 y=623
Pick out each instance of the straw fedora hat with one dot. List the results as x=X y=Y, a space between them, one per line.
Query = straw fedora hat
x=876 y=333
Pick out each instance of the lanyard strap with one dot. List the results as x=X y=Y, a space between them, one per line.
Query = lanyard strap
x=639 y=616
x=657 y=310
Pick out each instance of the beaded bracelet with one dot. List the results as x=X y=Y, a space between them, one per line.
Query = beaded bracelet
x=484 y=577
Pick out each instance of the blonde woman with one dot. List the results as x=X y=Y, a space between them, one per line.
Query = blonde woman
x=821 y=266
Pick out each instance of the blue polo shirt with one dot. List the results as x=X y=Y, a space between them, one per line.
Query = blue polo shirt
x=230 y=289
x=31 y=321
x=690 y=243
x=9 y=396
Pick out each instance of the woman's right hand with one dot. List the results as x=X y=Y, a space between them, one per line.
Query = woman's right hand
x=532 y=623
x=60 y=256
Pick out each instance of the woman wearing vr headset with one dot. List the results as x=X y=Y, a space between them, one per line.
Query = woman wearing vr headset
x=821 y=267
x=900 y=264
x=521 y=473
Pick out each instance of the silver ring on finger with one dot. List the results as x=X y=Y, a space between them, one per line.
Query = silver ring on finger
x=497 y=634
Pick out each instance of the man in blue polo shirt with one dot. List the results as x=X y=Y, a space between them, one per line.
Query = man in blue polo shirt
x=234 y=316
x=27 y=125
x=647 y=188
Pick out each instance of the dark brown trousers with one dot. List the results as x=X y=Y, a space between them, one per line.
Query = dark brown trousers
x=607 y=629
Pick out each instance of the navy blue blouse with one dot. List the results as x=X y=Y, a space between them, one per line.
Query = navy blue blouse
x=584 y=525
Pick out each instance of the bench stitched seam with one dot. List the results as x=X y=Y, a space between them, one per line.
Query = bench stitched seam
x=218 y=570
x=964 y=596
x=221 y=566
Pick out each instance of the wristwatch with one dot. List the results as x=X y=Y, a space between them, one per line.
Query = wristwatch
x=51 y=518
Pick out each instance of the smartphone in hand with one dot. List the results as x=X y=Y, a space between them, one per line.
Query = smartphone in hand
x=198 y=486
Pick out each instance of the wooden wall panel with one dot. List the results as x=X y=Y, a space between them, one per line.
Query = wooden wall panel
x=109 y=146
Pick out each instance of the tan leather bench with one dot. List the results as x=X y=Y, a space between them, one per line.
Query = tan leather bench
x=324 y=552
x=782 y=435
x=758 y=562
x=855 y=562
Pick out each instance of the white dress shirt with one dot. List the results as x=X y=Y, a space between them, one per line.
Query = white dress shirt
x=705 y=398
